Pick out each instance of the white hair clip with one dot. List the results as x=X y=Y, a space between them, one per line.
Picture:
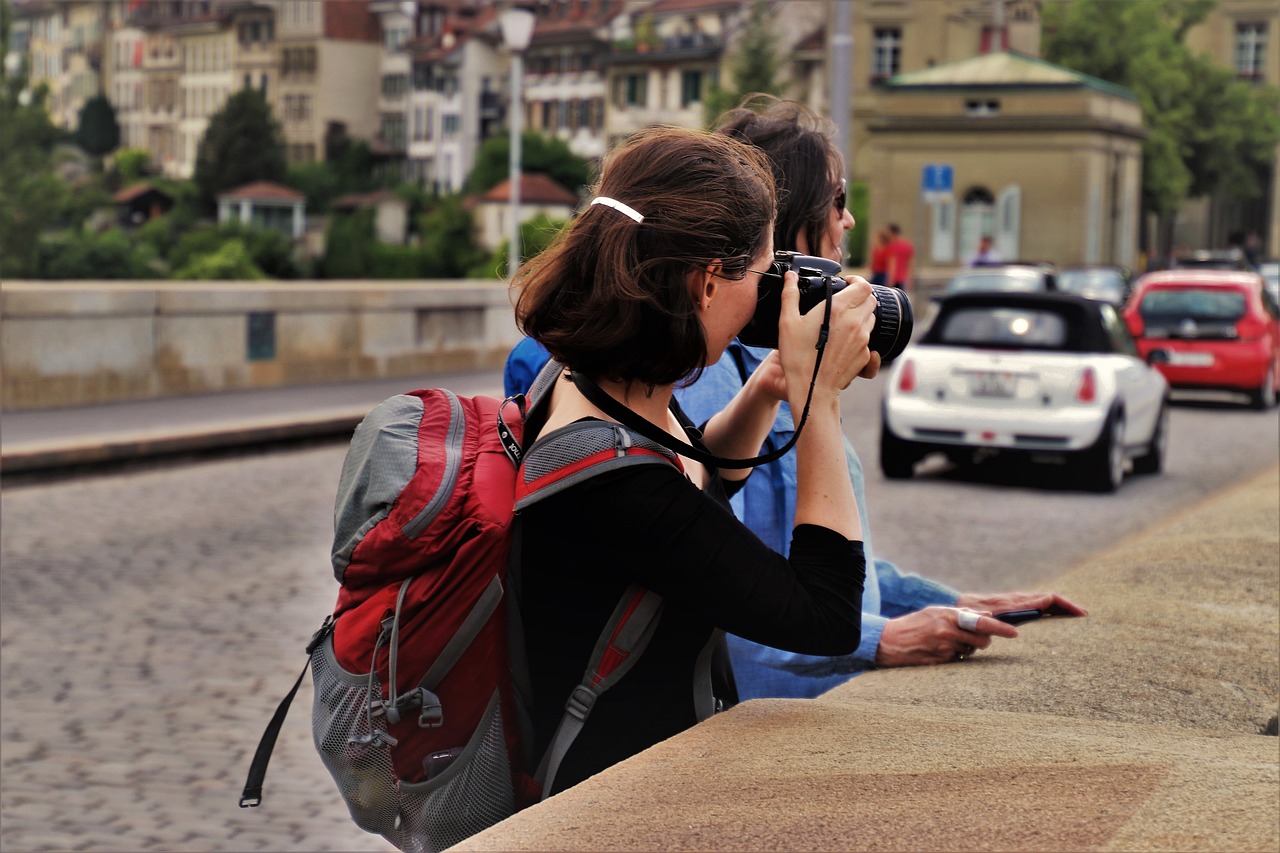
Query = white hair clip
x=618 y=206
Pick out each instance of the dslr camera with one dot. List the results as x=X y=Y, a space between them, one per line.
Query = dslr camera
x=894 y=320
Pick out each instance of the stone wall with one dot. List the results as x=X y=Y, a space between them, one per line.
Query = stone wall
x=78 y=343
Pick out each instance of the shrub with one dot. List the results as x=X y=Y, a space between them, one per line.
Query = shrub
x=109 y=255
x=230 y=261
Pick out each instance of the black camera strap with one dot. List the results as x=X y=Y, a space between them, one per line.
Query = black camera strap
x=616 y=410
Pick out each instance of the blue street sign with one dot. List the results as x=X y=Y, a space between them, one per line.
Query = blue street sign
x=936 y=178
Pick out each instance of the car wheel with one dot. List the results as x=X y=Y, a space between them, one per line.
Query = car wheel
x=1265 y=397
x=1102 y=467
x=897 y=457
x=1152 y=462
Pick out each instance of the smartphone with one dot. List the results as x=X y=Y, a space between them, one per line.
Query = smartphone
x=1017 y=617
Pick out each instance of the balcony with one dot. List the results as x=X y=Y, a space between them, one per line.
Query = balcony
x=692 y=46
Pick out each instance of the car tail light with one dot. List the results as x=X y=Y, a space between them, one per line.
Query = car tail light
x=1088 y=390
x=1250 y=329
x=907 y=378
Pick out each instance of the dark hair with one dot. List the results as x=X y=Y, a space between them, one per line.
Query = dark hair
x=610 y=296
x=804 y=158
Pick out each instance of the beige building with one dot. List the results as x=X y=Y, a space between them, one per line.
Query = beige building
x=329 y=72
x=1046 y=160
x=66 y=43
x=893 y=37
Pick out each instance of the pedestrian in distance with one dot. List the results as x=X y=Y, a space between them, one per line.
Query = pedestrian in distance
x=879 y=267
x=987 y=254
x=907 y=619
x=901 y=255
x=644 y=288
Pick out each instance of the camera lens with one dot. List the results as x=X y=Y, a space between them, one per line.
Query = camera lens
x=894 y=321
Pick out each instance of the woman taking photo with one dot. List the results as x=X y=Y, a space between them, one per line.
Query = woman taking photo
x=647 y=286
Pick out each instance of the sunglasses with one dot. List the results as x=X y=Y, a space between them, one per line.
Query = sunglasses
x=839 y=200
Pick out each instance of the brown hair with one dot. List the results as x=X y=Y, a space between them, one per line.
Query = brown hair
x=610 y=296
x=804 y=158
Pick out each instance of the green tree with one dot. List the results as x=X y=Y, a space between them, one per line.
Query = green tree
x=269 y=250
x=31 y=195
x=754 y=66
x=243 y=143
x=1209 y=132
x=348 y=246
x=97 y=131
x=538 y=153
x=131 y=164
x=448 y=247
x=535 y=236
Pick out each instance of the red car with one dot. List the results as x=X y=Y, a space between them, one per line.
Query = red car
x=1210 y=330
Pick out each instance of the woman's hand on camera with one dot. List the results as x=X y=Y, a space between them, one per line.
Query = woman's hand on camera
x=769 y=380
x=846 y=354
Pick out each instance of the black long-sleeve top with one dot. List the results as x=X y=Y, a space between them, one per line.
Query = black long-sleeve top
x=650 y=525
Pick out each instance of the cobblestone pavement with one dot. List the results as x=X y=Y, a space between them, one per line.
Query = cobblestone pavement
x=149 y=624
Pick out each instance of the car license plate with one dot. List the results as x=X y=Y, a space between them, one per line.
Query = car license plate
x=1191 y=359
x=992 y=383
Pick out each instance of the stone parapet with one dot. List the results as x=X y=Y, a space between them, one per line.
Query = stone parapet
x=1148 y=725
x=77 y=343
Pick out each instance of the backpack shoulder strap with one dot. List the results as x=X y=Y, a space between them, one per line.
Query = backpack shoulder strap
x=579 y=451
x=623 y=640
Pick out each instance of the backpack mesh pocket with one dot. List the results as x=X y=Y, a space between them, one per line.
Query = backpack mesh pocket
x=348 y=741
x=472 y=793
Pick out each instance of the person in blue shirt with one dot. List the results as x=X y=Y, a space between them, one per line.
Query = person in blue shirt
x=907 y=620
x=523 y=364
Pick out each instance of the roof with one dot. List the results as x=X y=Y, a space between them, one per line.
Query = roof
x=351 y=20
x=136 y=191
x=456 y=32
x=367 y=199
x=1197 y=277
x=675 y=7
x=264 y=191
x=1003 y=69
x=535 y=188
x=575 y=20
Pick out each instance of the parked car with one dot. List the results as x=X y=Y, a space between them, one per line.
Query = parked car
x=1270 y=272
x=1033 y=374
x=1213 y=330
x=1110 y=284
x=1211 y=259
x=1008 y=278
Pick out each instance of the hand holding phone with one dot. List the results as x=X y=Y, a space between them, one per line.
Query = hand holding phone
x=1017 y=617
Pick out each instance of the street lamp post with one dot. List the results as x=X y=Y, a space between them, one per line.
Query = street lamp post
x=517 y=29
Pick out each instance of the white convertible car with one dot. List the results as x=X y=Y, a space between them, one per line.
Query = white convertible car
x=1051 y=376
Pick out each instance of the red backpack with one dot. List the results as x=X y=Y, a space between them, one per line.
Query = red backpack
x=420 y=710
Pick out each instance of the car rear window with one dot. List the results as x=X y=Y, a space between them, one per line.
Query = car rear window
x=1017 y=328
x=996 y=282
x=1091 y=282
x=1189 y=303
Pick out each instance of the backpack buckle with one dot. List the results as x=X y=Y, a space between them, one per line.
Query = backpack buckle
x=580 y=702
x=432 y=714
x=325 y=629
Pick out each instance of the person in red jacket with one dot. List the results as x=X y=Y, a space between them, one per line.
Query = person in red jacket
x=880 y=258
x=901 y=253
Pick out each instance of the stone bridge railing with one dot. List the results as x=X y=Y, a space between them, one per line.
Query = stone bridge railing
x=77 y=343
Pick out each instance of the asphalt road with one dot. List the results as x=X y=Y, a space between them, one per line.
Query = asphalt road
x=998 y=527
x=150 y=621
